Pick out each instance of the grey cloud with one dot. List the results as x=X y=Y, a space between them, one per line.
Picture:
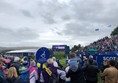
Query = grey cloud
x=52 y=29
x=27 y=33
x=66 y=17
x=48 y=18
x=47 y=14
x=5 y=34
x=59 y=33
x=26 y=13
x=95 y=11
x=79 y=17
x=56 y=30
x=83 y=29
x=75 y=29
x=85 y=10
x=88 y=13
x=24 y=34
x=6 y=7
x=78 y=10
x=51 y=11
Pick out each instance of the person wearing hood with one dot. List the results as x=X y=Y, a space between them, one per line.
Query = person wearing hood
x=75 y=73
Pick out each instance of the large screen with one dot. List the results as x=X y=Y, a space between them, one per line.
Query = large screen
x=63 y=48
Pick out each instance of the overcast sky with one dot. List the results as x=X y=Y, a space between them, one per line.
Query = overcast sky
x=55 y=22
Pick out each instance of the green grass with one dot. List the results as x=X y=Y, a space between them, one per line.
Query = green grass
x=63 y=62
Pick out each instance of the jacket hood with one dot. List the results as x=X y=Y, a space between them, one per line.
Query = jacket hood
x=74 y=66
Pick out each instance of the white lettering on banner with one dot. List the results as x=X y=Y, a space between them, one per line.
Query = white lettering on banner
x=60 y=47
x=109 y=58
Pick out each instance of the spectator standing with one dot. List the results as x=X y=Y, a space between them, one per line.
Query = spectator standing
x=91 y=72
x=16 y=64
x=105 y=65
x=12 y=76
x=75 y=73
x=111 y=73
x=93 y=61
x=57 y=72
x=74 y=58
x=33 y=72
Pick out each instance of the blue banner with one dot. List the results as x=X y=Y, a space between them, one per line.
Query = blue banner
x=101 y=58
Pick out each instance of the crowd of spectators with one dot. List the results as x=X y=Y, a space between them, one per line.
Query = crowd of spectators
x=106 y=44
x=26 y=70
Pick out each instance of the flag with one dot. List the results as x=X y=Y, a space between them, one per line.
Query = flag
x=96 y=29
x=109 y=25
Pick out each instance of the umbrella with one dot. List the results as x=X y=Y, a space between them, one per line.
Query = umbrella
x=92 y=50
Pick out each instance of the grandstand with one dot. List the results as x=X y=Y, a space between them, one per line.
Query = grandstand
x=20 y=53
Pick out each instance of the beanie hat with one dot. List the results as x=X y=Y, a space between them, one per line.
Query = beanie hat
x=16 y=59
x=91 y=56
x=25 y=63
x=73 y=66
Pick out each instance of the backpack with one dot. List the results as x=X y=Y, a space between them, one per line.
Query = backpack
x=25 y=76
x=53 y=79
